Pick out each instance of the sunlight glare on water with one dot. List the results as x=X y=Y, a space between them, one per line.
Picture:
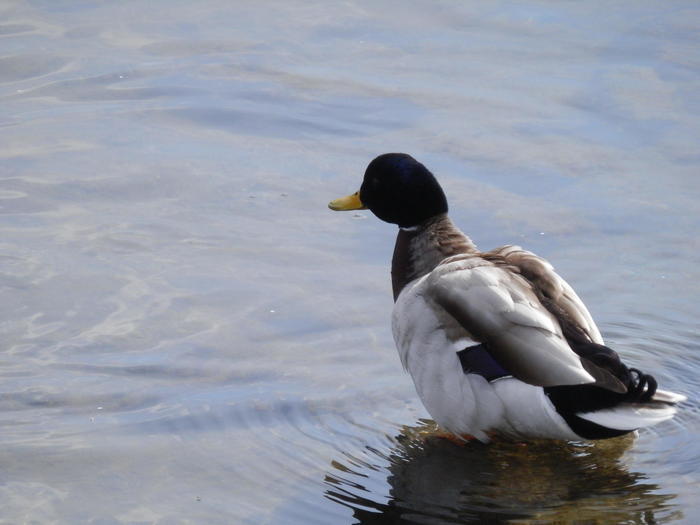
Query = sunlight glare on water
x=190 y=336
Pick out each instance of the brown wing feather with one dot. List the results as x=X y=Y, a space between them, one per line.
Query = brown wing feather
x=554 y=292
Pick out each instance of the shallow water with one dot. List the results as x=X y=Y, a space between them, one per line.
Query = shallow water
x=190 y=336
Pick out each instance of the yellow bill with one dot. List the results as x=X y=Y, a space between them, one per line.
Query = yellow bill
x=351 y=202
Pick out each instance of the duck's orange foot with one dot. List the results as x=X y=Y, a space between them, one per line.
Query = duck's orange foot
x=457 y=439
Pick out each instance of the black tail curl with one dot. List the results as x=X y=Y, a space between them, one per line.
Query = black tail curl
x=640 y=387
x=644 y=387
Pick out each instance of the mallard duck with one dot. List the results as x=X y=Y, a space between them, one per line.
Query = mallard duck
x=496 y=342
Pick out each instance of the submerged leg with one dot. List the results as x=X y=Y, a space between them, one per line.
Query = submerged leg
x=457 y=439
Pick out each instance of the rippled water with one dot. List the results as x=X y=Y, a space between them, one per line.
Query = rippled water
x=190 y=336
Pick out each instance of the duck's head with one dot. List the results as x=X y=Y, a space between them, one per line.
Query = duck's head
x=397 y=189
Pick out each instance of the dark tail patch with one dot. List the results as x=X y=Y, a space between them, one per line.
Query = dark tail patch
x=615 y=383
x=569 y=400
x=638 y=387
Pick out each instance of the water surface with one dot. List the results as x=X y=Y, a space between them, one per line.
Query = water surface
x=190 y=336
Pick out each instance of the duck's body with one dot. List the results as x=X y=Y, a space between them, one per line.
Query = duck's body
x=463 y=388
x=496 y=342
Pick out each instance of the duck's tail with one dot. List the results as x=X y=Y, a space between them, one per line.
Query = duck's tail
x=582 y=410
x=622 y=400
x=627 y=417
x=671 y=398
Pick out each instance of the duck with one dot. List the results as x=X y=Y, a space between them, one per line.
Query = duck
x=496 y=342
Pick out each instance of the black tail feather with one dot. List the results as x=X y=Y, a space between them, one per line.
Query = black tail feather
x=640 y=387
x=644 y=386
x=571 y=400
x=608 y=370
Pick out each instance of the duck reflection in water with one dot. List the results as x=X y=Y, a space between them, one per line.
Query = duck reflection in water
x=433 y=480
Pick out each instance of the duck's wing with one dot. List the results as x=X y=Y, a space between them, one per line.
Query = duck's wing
x=540 y=273
x=497 y=306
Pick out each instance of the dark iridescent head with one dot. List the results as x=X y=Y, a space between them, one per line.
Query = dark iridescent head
x=397 y=189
